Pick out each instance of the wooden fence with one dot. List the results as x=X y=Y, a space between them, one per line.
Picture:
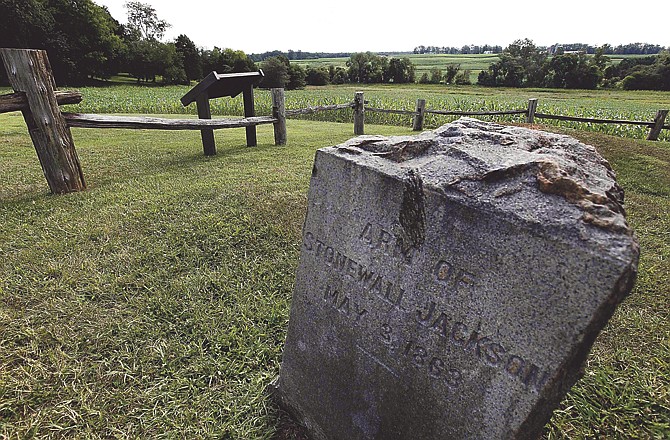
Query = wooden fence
x=36 y=97
x=359 y=105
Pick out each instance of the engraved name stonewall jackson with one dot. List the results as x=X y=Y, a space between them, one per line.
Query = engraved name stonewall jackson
x=451 y=284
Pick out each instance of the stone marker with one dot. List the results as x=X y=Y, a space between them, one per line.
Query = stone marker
x=451 y=284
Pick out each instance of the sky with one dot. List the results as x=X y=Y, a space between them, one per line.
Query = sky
x=256 y=26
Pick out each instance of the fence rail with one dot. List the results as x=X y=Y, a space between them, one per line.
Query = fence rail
x=148 y=123
x=458 y=113
x=359 y=105
x=391 y=111
x=49 y=128
x=310 y=110
x=13 y=102
x=594 y=120
x=35 y=96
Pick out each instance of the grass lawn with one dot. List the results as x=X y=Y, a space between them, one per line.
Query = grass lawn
x=155 y=304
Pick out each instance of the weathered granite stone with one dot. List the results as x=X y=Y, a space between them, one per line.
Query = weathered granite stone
x=451 y=284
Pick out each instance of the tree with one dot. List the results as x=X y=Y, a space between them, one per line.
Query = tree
x=226 y=61
x=599 y=59
x=318 y=76
x=652 y=77
x=234 y=61
x=530 y=60
x=147 y=56
x=150 y=58
x=171 y=67
x=143 y=23
x=463 y=77
x=25 y=23
x=399 y=71
x=190 y=57
x=521 y=65
x=435 y=75
x=572 y=71
x=276 y=72
x=451 y=72
x=81 y=38
x=338 y=75
x=366 y=68
x=296 y=75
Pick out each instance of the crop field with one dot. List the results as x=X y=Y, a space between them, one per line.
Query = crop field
x=422 y=62
x=475 y=63
x=607 y=104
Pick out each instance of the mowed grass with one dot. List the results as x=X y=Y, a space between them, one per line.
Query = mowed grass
x=625 y=392
x=155 y=304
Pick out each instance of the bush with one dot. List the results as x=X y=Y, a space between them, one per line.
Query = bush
x=435 y=75
x=296 y=76
x=276 y=72
x=175 y=75
x=338 y=75
x=652 y=77
x=452 y=71
x=463 y=77
x=317 y=76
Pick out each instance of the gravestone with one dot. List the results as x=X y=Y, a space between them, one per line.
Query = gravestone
x=451 y=284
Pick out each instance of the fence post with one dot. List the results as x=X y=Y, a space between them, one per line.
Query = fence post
x=29 y=71
x=207 y=135
x=359 y=113
x=659 y=120
x=532 y=108
x=279 y=113
x=250 y=111
x=420 y=113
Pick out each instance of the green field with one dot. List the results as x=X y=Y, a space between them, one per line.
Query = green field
x=422 y=62
x=155 y=304
x=608 y=104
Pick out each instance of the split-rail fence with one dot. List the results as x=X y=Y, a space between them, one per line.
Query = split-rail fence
x=36 y=97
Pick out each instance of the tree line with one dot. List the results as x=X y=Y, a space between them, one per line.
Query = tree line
x=622 y=49
x=85 y=42
x=297 y=55
x=522 y=64
x=362 y=68
x=467 y=49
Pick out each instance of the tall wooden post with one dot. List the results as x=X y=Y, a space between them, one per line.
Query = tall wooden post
x=249 y=111
x=29 y=71
x=359 y=114
x=417 y=125
x=532 y=108
x=279 y=113
x=207 y=135
x=659 y=120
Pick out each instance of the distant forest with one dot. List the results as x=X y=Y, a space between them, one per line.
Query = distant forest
x=294 y=55
x=622 y=49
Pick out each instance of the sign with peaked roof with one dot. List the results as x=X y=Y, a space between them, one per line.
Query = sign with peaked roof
x=216 y=85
